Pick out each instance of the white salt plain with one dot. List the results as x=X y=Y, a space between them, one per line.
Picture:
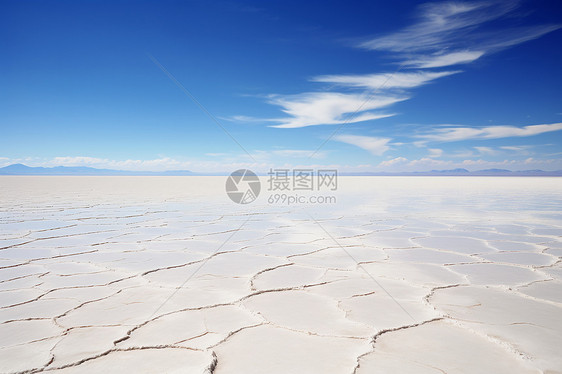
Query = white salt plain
x=166 y=275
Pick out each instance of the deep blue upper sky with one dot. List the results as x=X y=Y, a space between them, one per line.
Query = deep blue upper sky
x=390 y=86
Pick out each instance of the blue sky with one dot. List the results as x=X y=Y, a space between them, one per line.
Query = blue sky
x=361 y=86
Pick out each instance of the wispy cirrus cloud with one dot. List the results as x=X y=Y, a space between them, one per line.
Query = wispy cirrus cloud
x=248 y=119
x=384 y=81
x=437 y=26
x=332 y=108
x=452 y=33
x=486 y=151
x=452 y=134
x=438 y=60
x=329 y=108
x=516 y=148
x=376 y=146
x=491 y=151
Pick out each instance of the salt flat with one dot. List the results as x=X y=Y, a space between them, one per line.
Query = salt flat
x=166 y=274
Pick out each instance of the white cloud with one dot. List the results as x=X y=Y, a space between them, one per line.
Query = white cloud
x=394 y=161
x=376 y=146
x=330 y=108
x=159 y=164
x=248 y=119
x=510 y=37
x=401 y=164
x=486 y=151
x=543 y=162
x=446 y=59
x=435 y=152
x=5 y=161
x=451 y=134
x=384 y=80
x=438 y=25
x=77 y=161
x=453 y=26
x=520 y=149
x=427 y=161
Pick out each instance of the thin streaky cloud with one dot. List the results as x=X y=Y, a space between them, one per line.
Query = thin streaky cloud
x=249 y=119
x=447 y=59
x=449 y=33
x=516 y=148
x=330 y=108
x=438 y=26
x=514 y=36
x=487 y=151
x=389 y=80
x=452 y=134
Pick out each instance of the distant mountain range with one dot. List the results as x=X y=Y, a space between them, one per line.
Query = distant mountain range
x=20 y=169
x=464 y=172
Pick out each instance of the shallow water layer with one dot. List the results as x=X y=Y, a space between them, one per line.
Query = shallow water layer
x=166 y=274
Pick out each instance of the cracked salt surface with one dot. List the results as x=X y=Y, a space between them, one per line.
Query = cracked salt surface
x=158 y=274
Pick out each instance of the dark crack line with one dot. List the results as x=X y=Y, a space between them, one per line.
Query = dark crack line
x=385 y=331
x=361 y=266
x=199 y=268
